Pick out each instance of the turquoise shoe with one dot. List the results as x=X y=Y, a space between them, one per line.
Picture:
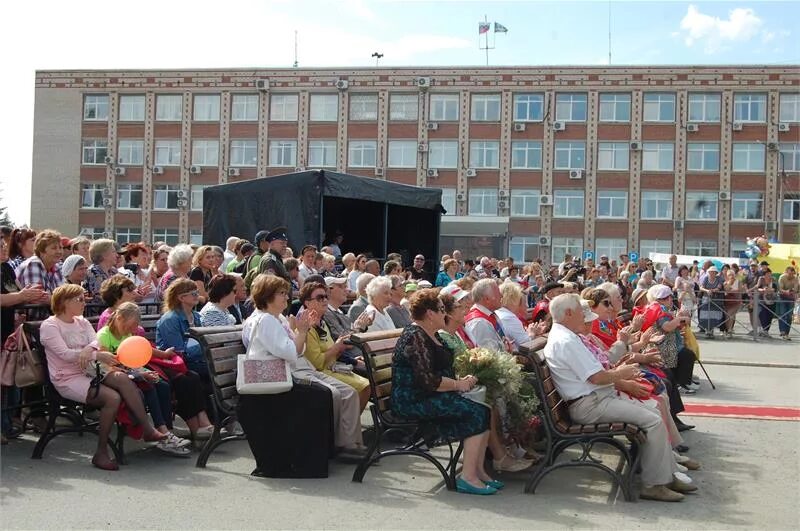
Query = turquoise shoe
x=495 y=484
x=466 y=488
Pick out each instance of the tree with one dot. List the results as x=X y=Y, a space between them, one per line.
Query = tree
x=4 y=219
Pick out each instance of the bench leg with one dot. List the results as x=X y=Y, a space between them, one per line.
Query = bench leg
x=366 y=462
x=216 y=440
x=49 y=431
x=118 y=447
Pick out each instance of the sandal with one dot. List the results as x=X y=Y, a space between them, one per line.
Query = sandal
x=171 y=446
x=178 y=441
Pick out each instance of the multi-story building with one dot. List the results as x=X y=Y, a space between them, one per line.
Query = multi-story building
x=532 y=161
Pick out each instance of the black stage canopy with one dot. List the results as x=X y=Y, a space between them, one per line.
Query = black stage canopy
x=375 y=216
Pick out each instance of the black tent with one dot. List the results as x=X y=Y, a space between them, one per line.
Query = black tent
x=374 y=216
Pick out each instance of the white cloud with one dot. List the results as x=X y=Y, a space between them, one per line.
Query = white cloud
x=714 y=33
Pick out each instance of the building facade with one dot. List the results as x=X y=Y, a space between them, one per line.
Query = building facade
x=532 y=161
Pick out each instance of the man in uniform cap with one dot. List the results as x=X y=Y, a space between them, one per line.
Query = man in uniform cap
x=272 y=261
x=262 y=247
x=542 y=308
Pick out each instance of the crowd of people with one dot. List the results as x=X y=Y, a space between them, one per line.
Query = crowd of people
x=618 y=336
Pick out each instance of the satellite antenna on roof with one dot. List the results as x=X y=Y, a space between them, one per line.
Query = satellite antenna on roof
x=295 y=48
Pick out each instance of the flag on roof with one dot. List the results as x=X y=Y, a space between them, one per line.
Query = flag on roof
x=483 y=27
x=499 y=28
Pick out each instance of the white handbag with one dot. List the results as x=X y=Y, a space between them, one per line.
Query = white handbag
x=259 y=372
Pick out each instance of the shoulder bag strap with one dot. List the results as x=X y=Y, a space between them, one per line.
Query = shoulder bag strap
x=253 y=334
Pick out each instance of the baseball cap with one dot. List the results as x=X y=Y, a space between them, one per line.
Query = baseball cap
x=424 y=284
x=456 y=292
x=330 y=281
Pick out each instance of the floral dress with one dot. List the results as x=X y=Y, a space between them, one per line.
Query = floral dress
x=418 y=366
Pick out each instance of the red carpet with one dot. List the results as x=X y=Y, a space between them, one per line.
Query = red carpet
x=743 y=412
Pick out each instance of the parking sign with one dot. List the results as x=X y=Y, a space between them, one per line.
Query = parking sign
x=634 y=256
x=588 y=255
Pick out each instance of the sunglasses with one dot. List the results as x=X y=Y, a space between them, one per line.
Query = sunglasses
x=80 y=299
x=320 y=298
x=194 y=293
x=606 y=303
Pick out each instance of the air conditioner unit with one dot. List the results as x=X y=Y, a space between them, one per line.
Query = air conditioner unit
x=342 y=84
x=379 y=172
x=724 y=196
x=233 y=172
x=773 y=146
x=119 y=172
x=783 y=128
x=502 y=193
x=461 y=196
x=262 y=84
x=182 y=194
x=432 y=172
x=158 y=170
x=678 y=224
x=636 y=146
x=195 y=170
x=422 y=147
x=108 y=235
x=771 y=226
x=545 y=199
x=107 y=201
x=183 y=203
x=559 y=126
x=576 y=174
x=519 y=127
x=471 y=172
x=737 y=126
x=424 y=82
x=544 y=240
x=692 y=128
x=502 y=204
x=108 y=159
x=108 y=192
x=432 y=126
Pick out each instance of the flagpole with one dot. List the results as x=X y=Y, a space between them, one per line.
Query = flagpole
x=486 y=20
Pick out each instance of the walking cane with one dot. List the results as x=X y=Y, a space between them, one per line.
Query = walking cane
x=697 y=358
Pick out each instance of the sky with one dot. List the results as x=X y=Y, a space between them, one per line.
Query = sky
x=151 y=34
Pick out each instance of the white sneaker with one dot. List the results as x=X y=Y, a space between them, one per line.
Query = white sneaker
x=679 y=458
x=683 y=478
x=178 y=441
x=681 y=468
x=693 y=386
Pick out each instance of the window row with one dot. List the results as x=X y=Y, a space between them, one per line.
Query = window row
x=569 y=107
x=129 y=196
x=125 y=235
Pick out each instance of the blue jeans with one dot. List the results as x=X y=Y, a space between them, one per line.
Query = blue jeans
x=784 y=308
x=10 y=398
x=158 y=400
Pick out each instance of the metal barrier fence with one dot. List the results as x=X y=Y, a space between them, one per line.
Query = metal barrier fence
x=37 y=312
x=761 y=316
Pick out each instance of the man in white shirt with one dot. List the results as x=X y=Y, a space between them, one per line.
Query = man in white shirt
x=308 y=255
x=229 y=253
x=482 y=325
x=670 y=272
x=562 y=267
x=589 y=391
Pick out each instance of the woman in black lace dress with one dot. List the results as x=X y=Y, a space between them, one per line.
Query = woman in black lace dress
x=424 y=388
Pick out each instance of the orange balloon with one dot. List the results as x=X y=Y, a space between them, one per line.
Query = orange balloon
x=134 y=352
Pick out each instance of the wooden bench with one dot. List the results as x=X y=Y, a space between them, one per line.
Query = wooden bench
x=561 y=433
x=377 y=349
x=221 y=347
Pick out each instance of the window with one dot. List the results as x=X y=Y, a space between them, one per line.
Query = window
x=168 y=152
x=657 y=157
x=789 y=159
x=791 y=207
x=747 y=206
x=738 y=246
x=615 y=107
x=656 y=205
x=659 y=107
x=483 y=201
x=283 y=153
x=486 y=107
x=704 y=107
x=523 y=248
x=612 y=204
x=205 y=152
x=444 y=107
x=570 y=155
x=95 y=151
x=129 y=196
x=206 y=107
x=562 y=246
x=701 y=206
x=130 y=152
x=131 y=108
x=168 y=236
x=612 y=156
x=283 y=107
x=748 y=157
x=403 y=107
x=169 y=107
x=196 y=237
x=92 y=195
x=244 y=152
x=571 y=107
x=789 y=108
x=402 y=153
x=95 y=107
x=322 y=153
x=244 y=108
x=654 y=246
x=610 y=247
x=449 y=201
x=702 y=157
x=749 y=107
x=129 y=235
x=442 y=154
x=526 y=155
x=197 y=197
x=525 y=202
x=701 y=247
x=364 y=107
x=165 y=196
x=528 y=107
x=324 y=107
x=568 y=204
x=94 y=233
x=484 y=154
x=361 y=154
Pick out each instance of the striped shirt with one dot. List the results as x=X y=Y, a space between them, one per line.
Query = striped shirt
x=32 y=271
